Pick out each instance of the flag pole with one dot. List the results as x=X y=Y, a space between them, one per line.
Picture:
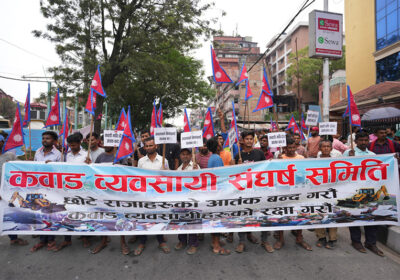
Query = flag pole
x=351 y=134
x=90 y=138
x=133 y=158
x=30 y=141
x=163 y=155
x=193 y=155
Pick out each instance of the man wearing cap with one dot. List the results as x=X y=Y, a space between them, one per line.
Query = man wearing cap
x=190 y=240
x=313 y=143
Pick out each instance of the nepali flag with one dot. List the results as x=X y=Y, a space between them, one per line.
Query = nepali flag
x=243 y=75
x=274 y=127
x=264 y=101
x=121 y=120
x=153 y=123
x=208 y=129
x=351 y=110
x=292 y=124
x=265 y=85
x=303 y=123
x=234 y=126
x=54 y=115
x=160 y=116
x=219 y=73
x=27 y=107
x=65 y=130
x=96 y=85
x=186 y=122
x=16 y=137
x=249 y=93
x=91 y=103
x=125 y=148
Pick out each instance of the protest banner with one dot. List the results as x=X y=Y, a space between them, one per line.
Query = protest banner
x=232 y=137
x=192 y=139
x=165 y=135
x=312 y=118
x=62 y=199
x=276 y=139
x=328 y=128
x=112 y=137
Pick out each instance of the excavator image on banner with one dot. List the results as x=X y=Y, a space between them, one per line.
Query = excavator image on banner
x=364 y=196
x=35 y=202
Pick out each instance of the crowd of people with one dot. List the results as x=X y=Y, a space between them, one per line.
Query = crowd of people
x=253 y=146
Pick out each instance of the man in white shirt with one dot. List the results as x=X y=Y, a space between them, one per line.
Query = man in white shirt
x=153 y=161
x=76 y=154
x=95 y=150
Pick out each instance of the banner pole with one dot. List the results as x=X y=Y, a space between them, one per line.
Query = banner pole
x=163 y=156
x=90 y=138
x=351 y=134
x=193 y=156
x=30 y=142
x=308 y=133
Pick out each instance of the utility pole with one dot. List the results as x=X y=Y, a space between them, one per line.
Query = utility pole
x=48 y=98
x=325 y=74
x=76 y=113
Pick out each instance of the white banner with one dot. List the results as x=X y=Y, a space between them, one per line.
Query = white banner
x=312 y=118
x=328 y=128
x=165 y=135
x=112 y=138
x=277 y=139
x=191 y=139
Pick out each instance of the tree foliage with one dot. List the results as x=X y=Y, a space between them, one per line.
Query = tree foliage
x=142 y=45
x=310 y=71
x=7 y=108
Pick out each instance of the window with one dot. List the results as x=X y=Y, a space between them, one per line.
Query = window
x=33 y=114
x=387 y=20
x=42 y=115
x=388 y=69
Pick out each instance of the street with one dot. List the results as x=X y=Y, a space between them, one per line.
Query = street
x=291 y=262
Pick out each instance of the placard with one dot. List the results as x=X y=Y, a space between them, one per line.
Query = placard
x=232 y=137
x=112 y=137
x=165 y=135
x=328 y=128
x=312 y=118
x=277 y=139
x=191 y=139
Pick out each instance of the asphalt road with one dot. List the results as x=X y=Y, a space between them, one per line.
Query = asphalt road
x=291 y=262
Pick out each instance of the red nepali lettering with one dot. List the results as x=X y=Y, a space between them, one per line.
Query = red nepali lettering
x=52 y=180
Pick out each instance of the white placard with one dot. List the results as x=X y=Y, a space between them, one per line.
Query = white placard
x=112 y=137
x=232 y=137
x=165 y=135
x=192 y=139
x=277 y=139
x=312 y=118
x=327 y=128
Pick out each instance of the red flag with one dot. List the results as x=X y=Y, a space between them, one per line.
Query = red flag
x=153 y=123
x=27 y=116
x=274 y=127
x=208 y=128
x=54 y=115
x=234 y=126
x=264 y=101
x=292 y=123
x=303 y=123
x=186 y=122
x=160 y=116
x=351 y=110
x=243 y=74
x=219 y=73
x=121 y=121
x=91 y=103
x=265 y=84
x=96 y=83
x=65 y=130
x=249 y=93
x=16 y=137
x=125 y=148
x=128 y=128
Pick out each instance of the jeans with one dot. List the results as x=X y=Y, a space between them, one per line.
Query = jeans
x=193 y=240
x=47 y=238
x=370 y=234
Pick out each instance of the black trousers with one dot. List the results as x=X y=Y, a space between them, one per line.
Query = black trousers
x=370 y=234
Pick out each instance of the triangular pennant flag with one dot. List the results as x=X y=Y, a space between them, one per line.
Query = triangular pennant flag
x=234 y=126
x=352 y=110
x=125 y=148
x=243 y=75
x=292 y=123
x=186 y=122
x=208 y=128
x=153 y=123
x=121 y=121
x=54 y=114
x=27 y=108
x=249 y=93
x=65 y=130
x=91 y=102
x=303 y=123
x=274 y=127
x=96 y=83
x=265 y=84
x=16 y=137
x=219 y=73
x=128 y=127
x=160 y=116
x=264 y=101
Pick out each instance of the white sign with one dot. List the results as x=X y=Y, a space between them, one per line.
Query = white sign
x=232 y=137
x=192 y=139
x=277 y=139
x=312 y=118
x=165 y=135
x=328 y=128
x=325 y=34
x=112 y=137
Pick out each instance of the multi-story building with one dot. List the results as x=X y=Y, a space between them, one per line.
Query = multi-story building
x=278 y=62
x=232 y=52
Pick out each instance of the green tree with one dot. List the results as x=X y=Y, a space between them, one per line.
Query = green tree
x=310 y=71
x=142 y=45
x=7 y=109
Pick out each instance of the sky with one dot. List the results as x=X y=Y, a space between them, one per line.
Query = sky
x=21 y=54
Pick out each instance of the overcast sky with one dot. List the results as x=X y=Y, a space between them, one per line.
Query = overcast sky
x=23 y=55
